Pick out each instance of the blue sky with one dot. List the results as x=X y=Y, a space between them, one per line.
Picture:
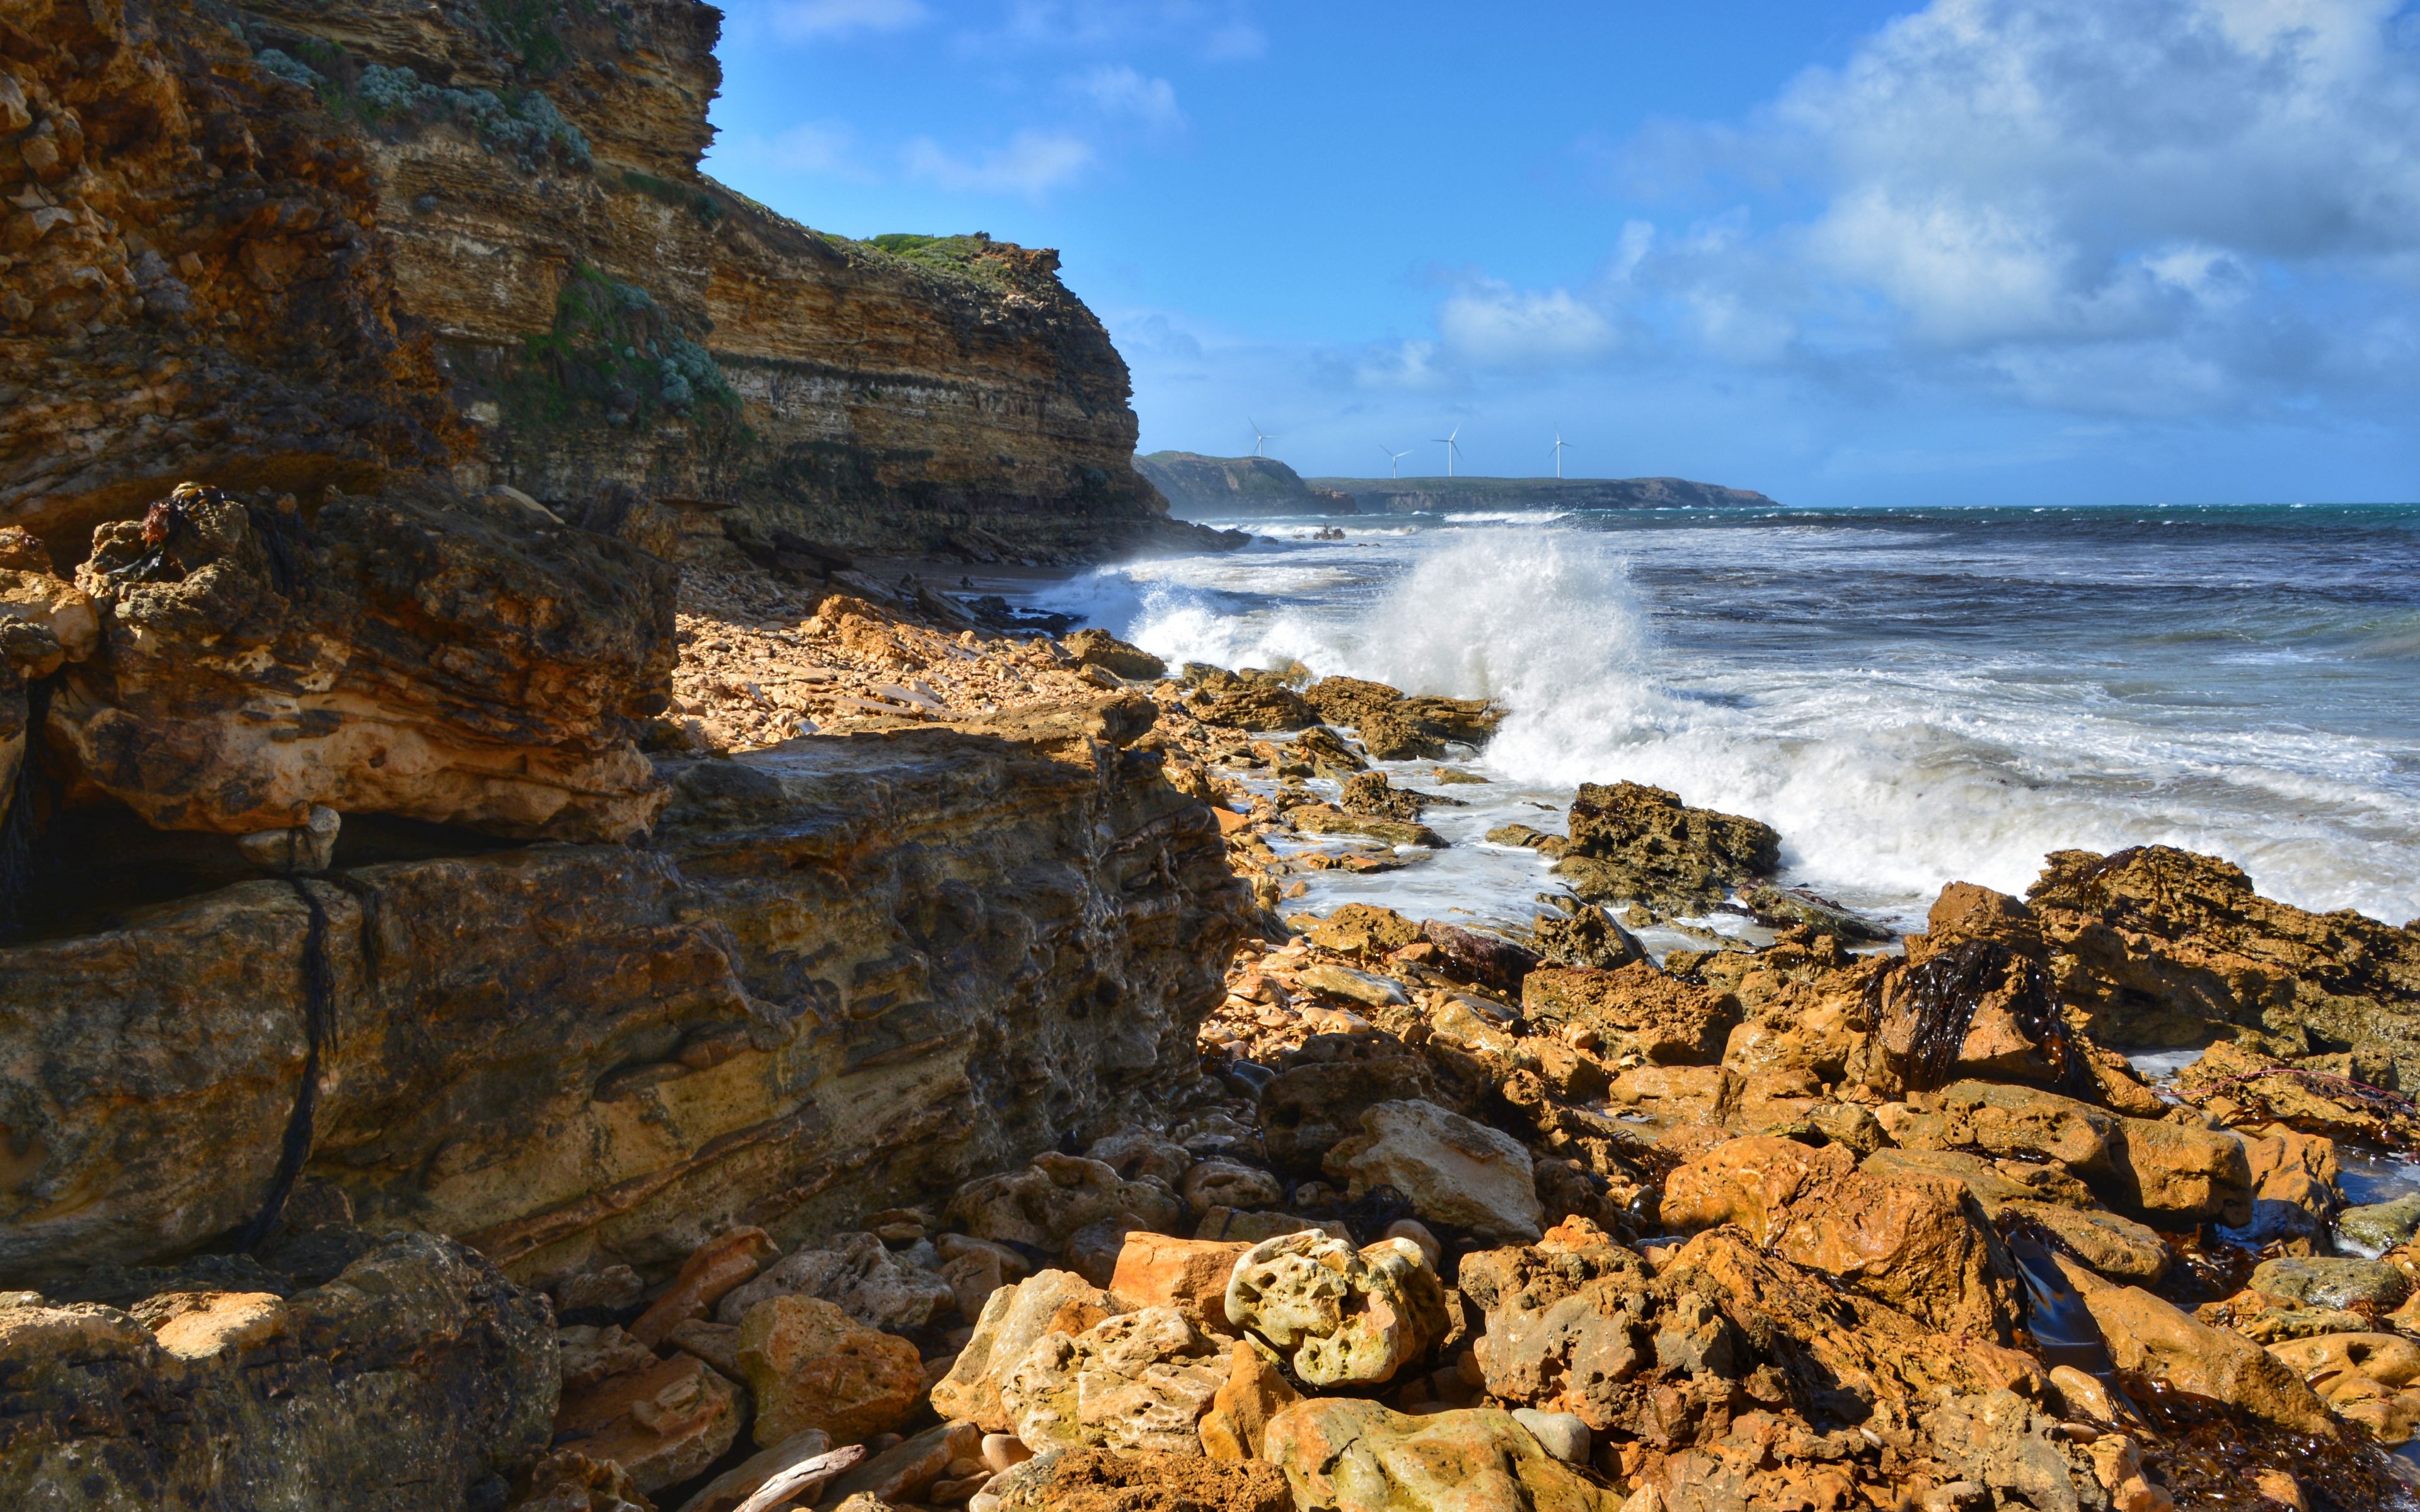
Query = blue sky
x=1977 y=252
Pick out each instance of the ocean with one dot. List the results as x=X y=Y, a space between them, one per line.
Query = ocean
x=1909 y=696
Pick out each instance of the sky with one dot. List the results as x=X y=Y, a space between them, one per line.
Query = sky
x=1978 y=252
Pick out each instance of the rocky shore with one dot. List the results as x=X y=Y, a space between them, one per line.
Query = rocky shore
x=758 y=1036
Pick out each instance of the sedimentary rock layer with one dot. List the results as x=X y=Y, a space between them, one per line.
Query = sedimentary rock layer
x=288 y=244
x=851 y=970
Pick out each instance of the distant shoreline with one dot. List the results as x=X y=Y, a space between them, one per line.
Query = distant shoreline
x=1228 y=487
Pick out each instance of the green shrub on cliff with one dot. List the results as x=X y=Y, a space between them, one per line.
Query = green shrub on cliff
x=615 y=354
x=962 y=256
x=528 y=126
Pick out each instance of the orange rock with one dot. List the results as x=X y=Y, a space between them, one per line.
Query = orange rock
x=200 y=1324
x=1750 y=1183
x=814 y=1366
x=1154 y=1269
x=1237 y=1424
x=712 y=1268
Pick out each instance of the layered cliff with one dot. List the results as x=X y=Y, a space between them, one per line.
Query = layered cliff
x=286 y=245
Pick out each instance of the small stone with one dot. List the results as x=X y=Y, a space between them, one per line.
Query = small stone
x=1226 y=1184
x=305 y=849
x=712 y=1268
x=1563 y=1434
x=1004 y=1451
x=1418 y=1232
x=613 y=1290
x=1155 y=1270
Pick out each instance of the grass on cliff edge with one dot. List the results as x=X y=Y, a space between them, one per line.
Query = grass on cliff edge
x=962 y=254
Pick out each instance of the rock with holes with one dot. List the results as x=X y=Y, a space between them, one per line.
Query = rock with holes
x=1637 y=843
x=1342 y=1316
x=1013 y=1322
x=1635 y=1010
x=1139 y=1381
x=254 y=664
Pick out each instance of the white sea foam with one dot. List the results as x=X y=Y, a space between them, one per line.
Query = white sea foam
x=1886 y=781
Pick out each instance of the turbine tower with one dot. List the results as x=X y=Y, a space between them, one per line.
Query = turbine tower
x=1394 y=461
x=1451 y=447
x=1259 y=436
x=1560 y=445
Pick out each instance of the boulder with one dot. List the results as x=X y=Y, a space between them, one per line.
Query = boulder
x=1456 y=1172
x=1350 y=701
x=416 y=1375
x=1917 y=1242
x=2293 y=1185
x=811 y=1366
x=1098 y=648
x=663 y=1424
x=552 y=644
x=1635 y=1010
x=1363 y=930
x=2381 y=1226
x=1154 y=1271
x=2337 y=1284
x=1638 y=843
x=2154 y=1336
x=1138 y=1381
x=2183 y=1172
x=1046 y=1202
x=858 y=1274
x=2369 y=1379
x=1358 y=1457
x=1226 y=1184
x=1341 y=1315
x=1094 y=1480
x=1365 y=988
x=1421 y=727
x=1012 y=1321
x=1586 y=937
x=1238 y=1425
x=1468 y=955
x=975 y=1268
x=1138 y=1152
x=569 y=1481
x=1370 y=793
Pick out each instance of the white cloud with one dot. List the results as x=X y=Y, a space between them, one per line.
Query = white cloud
x=809 y=20
x=1491 y=324
x=2206 y=199
x=1406 y=365
x=1031 y=163
x=1120 y=90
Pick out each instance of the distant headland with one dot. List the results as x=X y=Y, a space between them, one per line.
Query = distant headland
x=1199 y=486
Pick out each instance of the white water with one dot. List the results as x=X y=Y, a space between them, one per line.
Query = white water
x=1897 y=743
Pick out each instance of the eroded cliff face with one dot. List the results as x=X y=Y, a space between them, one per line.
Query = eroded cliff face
x=852 y=971
x=286 y=244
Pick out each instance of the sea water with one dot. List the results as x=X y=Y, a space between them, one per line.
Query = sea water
x=1909 y=696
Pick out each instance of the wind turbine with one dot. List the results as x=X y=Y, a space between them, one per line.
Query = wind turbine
x=1394 y=461
x=1448 y=441
x=1259 y=436
x=1559 y=444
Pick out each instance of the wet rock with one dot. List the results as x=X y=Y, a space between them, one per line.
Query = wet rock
x=2321 y=1282
x=1426 y=727
x=1327 y=753
x=2156 y=1338
x=1236 y=1427
x=858 y=1274
x=1012 y=1321
x=1363 y=930
x=811 y=1366
x=1154 y=1271
x=1752 y=1182
x=1358 y=1457
x=1092 y=1480
x=2293 y=1185
x=417 y=1373
x=2178 y=1171
x=1589 y=938
x=553 y=644
x=1974 y=1008
x=1454 y=1171
x=2164 y=947
x=663 y=1424
x=2110 y=1243
x=1341 y=1315
x=1323 y=819
x=2366 y=1377
x=2381 y=1226
x=1098 y=648
x=1252 y=705
x=1138 y=1381
x=1634 y=842
x=1468 y=955
x=1369 y=793
x=1046 y=1203
x=1635 y=1010
x=1785 y=907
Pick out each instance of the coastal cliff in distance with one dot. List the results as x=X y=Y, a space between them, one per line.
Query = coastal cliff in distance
x=287 y=245
x=1226 y=487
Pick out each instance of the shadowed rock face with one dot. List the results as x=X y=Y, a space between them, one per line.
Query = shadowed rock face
x=299 y=244
x=415 y=1378
x=850 y=971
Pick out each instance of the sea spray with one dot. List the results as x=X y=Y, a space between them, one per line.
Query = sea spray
x=1907 y=703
